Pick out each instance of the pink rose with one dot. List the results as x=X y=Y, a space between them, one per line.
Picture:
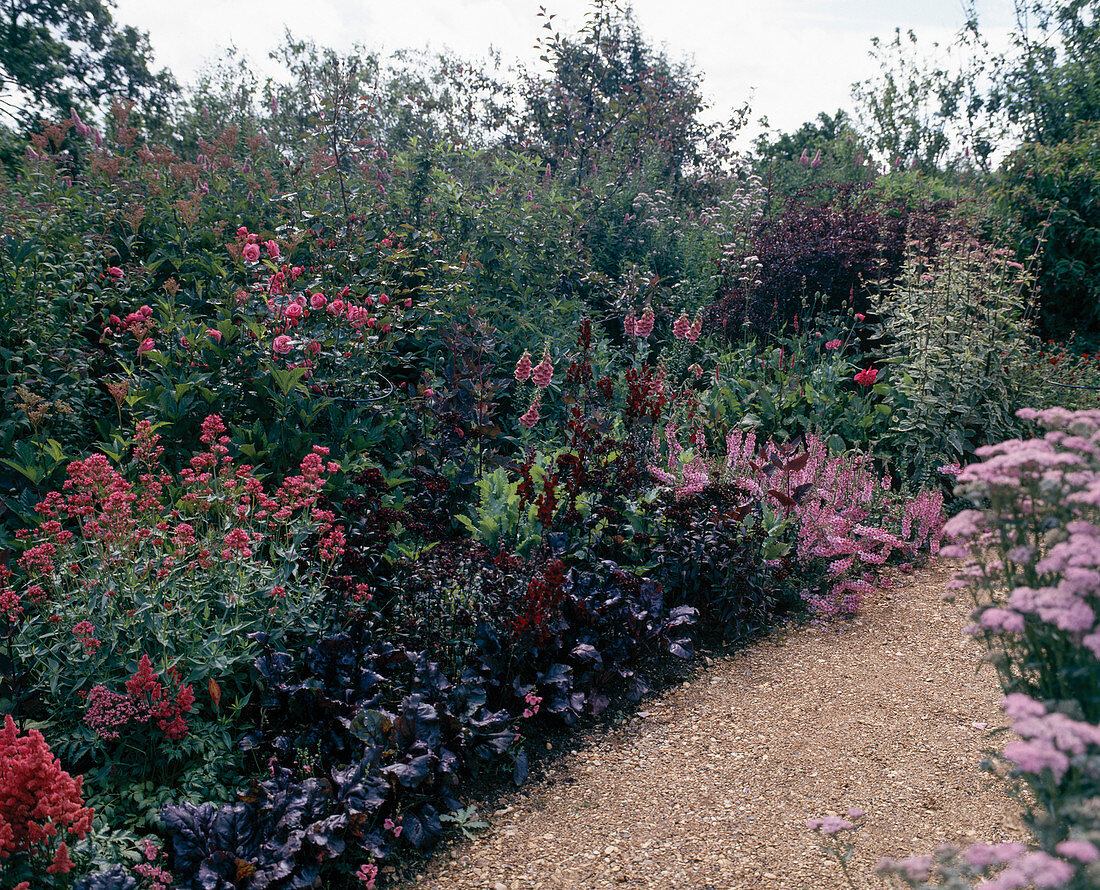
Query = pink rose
x=283 y=344
x=251 y=253
x=272 y=249
x=293 y=311
x=317 y=302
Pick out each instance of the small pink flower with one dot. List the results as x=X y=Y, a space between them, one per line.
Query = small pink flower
x=367 y=874
x=697 y=370
x=523 y=367
x=115 y=272
x=251 y=253
x=283 y=344
x=214 y=333
x=272 y=249
x=832 y=344
x=314 y=348
x=532 y=416
x=428 y=393
x=408 y=303
x=317 y=302
x=147 y=345
x=383 y=300
x=695 y=331
x=860 y=316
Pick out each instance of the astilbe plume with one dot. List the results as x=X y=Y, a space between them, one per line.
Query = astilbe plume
x=39 y=801
x=838 y=517
x=146 y=701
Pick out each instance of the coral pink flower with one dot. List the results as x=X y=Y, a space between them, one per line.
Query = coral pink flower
x=532 y=416
x=251 y=253
x=523 y=367
x=283 y=344
x=643 y=327
x=866 y=377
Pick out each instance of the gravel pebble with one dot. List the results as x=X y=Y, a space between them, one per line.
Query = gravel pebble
x=710 y=784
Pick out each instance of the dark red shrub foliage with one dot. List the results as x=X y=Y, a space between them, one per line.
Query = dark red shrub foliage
x=840 y=248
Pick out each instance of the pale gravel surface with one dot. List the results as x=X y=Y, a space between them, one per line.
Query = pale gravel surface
x=710 y=784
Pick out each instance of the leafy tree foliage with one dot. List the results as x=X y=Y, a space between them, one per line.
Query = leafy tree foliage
x=56 y=55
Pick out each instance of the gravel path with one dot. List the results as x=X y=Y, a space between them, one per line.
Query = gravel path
x=710 y=785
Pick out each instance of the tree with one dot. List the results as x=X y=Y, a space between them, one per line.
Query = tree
x=59 y=55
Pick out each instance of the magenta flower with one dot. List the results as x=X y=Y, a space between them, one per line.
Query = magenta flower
x=272 y=249
x=832 y=344
x=866 y=377
x=214 y=334
x=317 y=302
x=114 y=272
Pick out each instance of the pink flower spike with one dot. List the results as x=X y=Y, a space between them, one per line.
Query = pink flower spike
x=523 y=367
x=543 y=372
x=532 y=416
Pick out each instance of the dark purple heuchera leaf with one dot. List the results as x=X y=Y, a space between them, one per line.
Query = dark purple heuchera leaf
x=422 y=829
x=587 y=654
x=519 y=771
x=114 y=878
x=412 y=773
x=417 y=723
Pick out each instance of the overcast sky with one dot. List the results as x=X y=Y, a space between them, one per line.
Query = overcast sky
x=796 y=57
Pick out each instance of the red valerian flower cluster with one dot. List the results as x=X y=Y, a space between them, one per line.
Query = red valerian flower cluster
x=38 y=799
x=146 y=701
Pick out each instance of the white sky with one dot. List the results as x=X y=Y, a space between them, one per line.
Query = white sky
x=797 y=57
